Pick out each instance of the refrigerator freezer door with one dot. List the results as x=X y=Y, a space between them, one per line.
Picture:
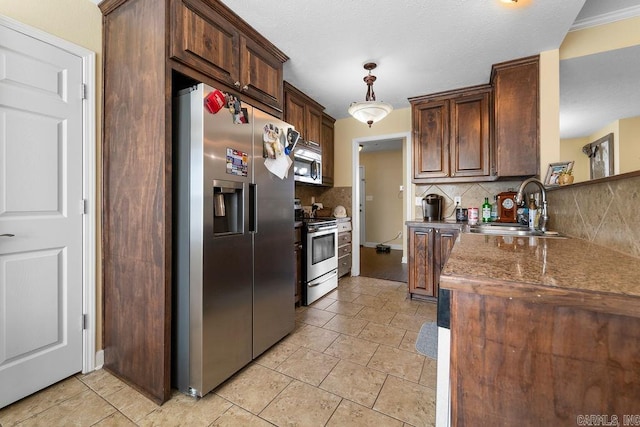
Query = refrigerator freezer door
x=213 y=294
x=274 y=262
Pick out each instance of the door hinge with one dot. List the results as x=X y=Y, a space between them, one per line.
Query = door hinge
x=84 y=207
x=85 y=322
x=83 y=91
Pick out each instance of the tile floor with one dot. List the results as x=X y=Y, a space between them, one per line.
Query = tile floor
x=351 y=361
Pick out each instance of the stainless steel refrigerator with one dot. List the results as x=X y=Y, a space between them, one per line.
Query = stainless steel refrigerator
x=233 y=241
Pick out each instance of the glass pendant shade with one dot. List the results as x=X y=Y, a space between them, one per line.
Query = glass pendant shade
x=370 y=111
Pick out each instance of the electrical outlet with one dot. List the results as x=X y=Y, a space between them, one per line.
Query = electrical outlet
x=457 y=200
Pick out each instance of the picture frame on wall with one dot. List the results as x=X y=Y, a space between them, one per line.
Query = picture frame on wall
x=600 y=154
x=554 y=172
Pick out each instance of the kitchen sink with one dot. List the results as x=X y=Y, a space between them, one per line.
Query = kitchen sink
x=503 y=229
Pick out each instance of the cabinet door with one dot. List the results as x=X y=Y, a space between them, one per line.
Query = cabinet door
x=470 y=135
x=313 y=124
x=327 y=150
x=421 y=259
x=260 y=73
x=516 y=117
x=431 y=139
x=444 y=241
x=205 y=41
x=294 y=112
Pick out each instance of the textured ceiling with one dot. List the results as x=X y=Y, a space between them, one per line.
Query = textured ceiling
x=421 y=46
x=426 y=46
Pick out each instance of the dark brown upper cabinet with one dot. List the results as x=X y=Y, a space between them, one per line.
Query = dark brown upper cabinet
x=451 y=136
x=208 y=41
x=479 y=133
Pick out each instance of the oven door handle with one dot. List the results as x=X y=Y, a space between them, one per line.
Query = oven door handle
x=324 y=279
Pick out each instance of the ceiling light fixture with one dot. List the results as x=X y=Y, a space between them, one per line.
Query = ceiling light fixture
x=370 y=111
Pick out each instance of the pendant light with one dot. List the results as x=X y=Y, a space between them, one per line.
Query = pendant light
x=370 y=111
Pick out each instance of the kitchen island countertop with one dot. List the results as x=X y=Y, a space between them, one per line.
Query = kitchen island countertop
x=571 y=272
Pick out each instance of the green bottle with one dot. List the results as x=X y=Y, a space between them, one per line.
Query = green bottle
x=486 y=210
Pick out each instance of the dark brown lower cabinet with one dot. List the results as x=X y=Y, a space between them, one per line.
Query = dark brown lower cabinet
x=297 y=242
x=518 y=361
x=428 y=247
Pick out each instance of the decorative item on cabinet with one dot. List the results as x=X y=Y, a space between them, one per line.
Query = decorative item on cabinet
x=429 y=249
x=344 y=246
x=451 y=136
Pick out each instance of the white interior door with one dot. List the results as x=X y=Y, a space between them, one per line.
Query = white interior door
x=41 y=184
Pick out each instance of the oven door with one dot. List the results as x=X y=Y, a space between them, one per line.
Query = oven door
x=321 y=252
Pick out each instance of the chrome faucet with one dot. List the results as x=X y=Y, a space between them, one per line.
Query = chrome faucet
x=544 y=216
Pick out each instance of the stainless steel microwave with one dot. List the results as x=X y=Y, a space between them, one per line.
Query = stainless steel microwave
x=307 y=162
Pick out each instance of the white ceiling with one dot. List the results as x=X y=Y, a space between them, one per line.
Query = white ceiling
x=427 y=46
x=420 y=46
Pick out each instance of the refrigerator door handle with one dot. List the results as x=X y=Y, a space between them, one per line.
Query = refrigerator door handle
x=253 y=208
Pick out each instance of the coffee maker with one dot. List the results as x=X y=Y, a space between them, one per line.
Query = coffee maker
x=432 y=207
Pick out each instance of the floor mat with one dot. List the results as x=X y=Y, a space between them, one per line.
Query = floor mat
x=427 y=341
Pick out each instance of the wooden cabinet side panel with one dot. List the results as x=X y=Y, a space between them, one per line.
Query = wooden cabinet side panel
x=431 y=140
x=136 y=198
x=421 y=254
x=514 y=361
x=516 y=96
x=470 y=135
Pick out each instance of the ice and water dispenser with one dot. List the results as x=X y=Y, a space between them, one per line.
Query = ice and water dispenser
x=228 y=209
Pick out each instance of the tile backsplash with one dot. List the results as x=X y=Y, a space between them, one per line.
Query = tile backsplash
x=605 y=213
x=330 y=197
x=472 y=194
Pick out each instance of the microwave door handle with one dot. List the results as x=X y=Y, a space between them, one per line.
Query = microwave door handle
x=314 y=170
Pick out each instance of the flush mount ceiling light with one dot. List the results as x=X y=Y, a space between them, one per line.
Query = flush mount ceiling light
x=370 y=111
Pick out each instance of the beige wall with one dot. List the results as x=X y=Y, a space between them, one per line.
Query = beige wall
x=383 y=211
x=346 y=130
x=549 y=109
x=629 y=144
x=78 y=22
x=588 y=41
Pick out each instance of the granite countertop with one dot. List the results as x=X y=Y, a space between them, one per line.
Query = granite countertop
x=439 y=224
x=571 y=272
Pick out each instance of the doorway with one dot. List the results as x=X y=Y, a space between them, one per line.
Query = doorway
x=47 y=220
x=380 y=177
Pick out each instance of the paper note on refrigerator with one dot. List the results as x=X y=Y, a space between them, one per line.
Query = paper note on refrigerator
x=279 y=166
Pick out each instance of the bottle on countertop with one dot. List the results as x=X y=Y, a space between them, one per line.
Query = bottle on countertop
x=533 y=212
x=486 y=210
x=494 y=209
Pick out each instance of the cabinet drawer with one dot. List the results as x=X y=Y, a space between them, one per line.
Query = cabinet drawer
x=344 y=250
x=297 y=237
x=205 y=41
x=344 y=226
x=344 y=265
x=344 y=237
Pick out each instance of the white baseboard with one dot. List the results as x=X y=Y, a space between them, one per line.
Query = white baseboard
x=374 y=244
x=99 y=359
